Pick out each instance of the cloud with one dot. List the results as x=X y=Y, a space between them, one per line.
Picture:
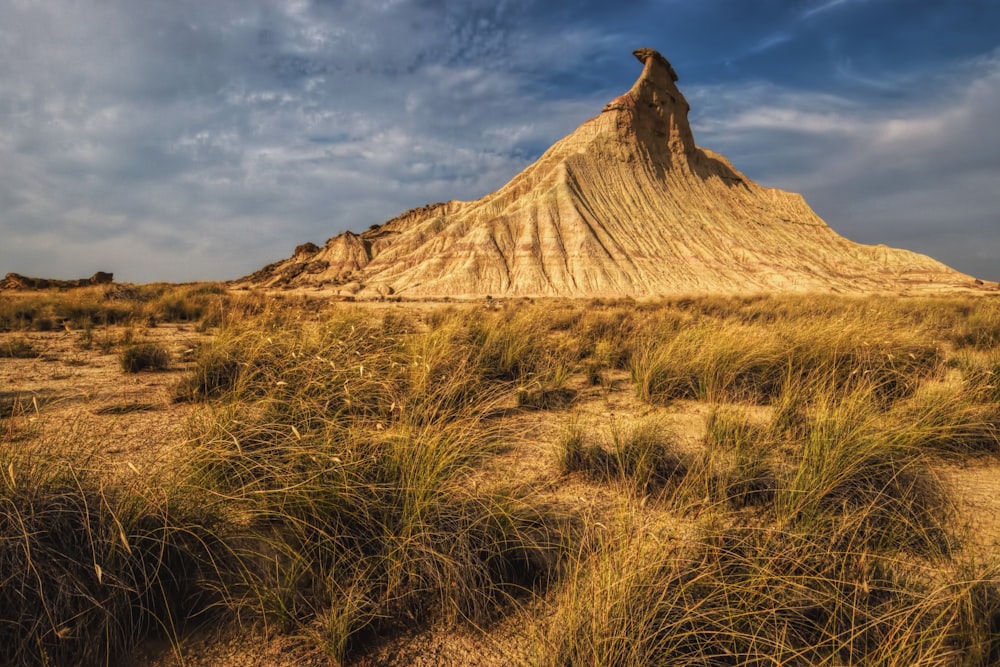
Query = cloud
x=766 y=44
x=823 y=7
x=198 y=140
x=913 y=172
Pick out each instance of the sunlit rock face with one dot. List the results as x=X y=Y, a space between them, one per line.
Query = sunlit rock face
x=627 y=205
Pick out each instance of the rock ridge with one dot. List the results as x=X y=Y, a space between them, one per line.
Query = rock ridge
x=15 y=281
x=626 y=205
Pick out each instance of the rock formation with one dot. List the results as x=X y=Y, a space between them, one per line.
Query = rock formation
x=625 y=205
x=16 y=281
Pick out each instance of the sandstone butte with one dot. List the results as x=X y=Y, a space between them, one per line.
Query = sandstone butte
x=627 y=205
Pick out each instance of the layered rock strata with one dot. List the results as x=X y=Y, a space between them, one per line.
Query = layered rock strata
x=627 y=205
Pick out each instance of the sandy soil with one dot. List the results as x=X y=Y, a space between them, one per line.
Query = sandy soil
x=75 y=391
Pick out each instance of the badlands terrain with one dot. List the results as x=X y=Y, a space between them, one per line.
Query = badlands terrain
x=195 y=476
x=630 y=409
x=627 y=205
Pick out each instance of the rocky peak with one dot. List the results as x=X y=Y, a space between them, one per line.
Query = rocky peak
x=656 y=111
x=658 y=61
x=624 y=205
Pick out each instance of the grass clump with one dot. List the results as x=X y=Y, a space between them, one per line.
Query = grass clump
x=737 y=467
x=947 y=423
x=980 y=326
x=90 y=569
x=144 y=357
x=745 y=596
x=371 y=529
x=548 y=391
x=346 y=446
x=215 y=372
x=639 y=454
x=731 y=361
x=17 y=348
x=508 y=346
x=859 y=491
x=840 y=467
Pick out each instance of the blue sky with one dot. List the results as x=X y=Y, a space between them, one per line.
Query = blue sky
x=190 y=140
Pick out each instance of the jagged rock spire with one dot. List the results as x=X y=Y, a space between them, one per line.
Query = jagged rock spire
x=644 y=55
x=655 y=110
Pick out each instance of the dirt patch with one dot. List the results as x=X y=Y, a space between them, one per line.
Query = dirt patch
x=74 y=390
x=976 y=489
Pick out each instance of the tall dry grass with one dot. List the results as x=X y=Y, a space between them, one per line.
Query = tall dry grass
x=346 y=447
x=760 y=596
x=89 y=567
x=340 y=484
x=207 y=304
x=728 y=361
x=820 y=532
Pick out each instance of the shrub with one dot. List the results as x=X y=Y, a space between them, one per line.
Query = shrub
x=17 y=348
x=144 y=357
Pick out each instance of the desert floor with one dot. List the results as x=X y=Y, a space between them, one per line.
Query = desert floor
x=71 y=394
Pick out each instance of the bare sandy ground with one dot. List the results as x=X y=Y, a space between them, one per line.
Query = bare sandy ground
x=72 y=394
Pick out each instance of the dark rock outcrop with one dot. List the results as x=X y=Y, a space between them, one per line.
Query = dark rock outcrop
x=306 y=249
x=15 y=281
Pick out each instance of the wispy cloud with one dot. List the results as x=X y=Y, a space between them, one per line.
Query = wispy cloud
x=767 y=43
x=844 y=70
x=198 y=140
x=911 y=172
x=823 y=7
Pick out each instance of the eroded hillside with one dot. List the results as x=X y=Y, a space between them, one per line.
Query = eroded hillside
x=627 y=204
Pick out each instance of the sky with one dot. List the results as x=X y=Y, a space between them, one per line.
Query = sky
x=188 y=140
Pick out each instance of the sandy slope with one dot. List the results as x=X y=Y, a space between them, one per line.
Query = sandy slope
x=625 y=205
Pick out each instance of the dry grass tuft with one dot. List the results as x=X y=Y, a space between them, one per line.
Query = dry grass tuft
x=740 y=596
x=17 y=348
x=90 y=568
x=144 y=357
x=640 y=454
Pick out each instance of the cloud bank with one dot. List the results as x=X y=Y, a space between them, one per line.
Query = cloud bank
x=200 y=140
